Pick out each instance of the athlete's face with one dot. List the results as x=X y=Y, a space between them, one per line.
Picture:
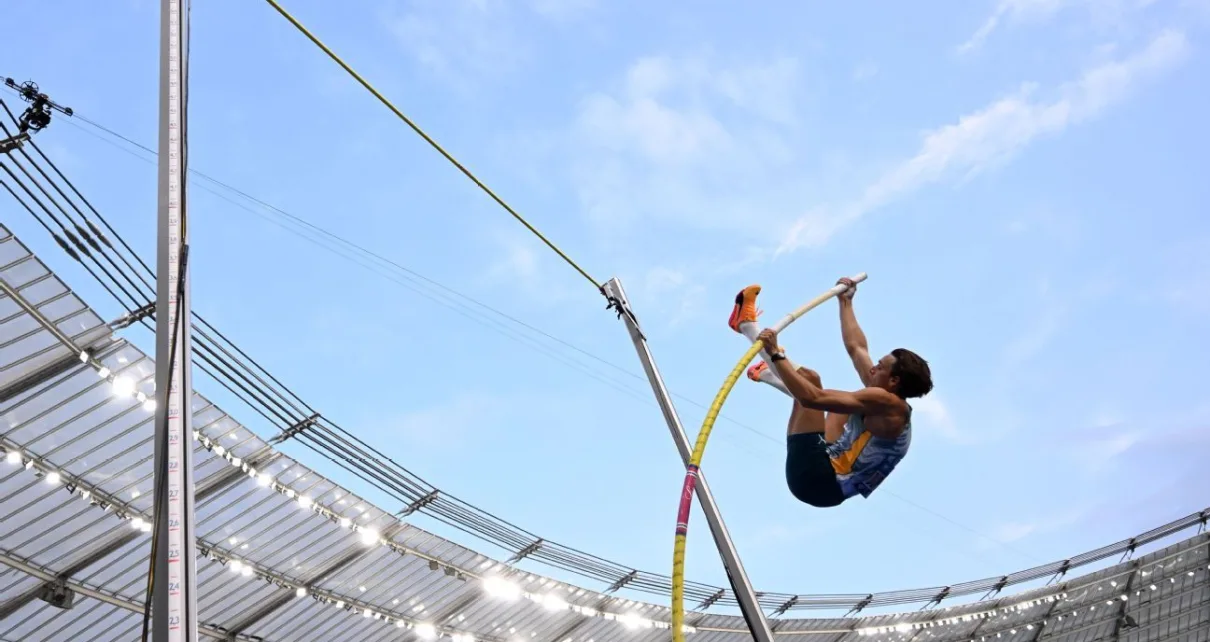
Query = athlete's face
x=880 y=374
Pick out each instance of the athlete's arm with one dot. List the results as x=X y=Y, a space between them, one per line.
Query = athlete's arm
x=867 y=401
x=854 y=339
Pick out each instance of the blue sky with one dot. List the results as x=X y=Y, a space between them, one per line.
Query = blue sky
x=1019 y=178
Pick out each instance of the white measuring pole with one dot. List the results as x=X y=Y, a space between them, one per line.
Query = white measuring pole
x=174 y=604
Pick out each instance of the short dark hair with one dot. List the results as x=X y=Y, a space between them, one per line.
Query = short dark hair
x=915 y=378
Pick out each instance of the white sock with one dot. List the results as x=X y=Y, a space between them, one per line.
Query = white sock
x=771 y=378
x=752 y=331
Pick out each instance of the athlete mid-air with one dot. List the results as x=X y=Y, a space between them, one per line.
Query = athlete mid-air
x=865 y=434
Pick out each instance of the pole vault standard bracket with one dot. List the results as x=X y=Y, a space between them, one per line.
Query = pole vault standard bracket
x=740 y=585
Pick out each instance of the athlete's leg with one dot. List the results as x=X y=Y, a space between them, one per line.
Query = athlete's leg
x=809 y=473
x=805 y=420
x=834 y=426
x=762 y=373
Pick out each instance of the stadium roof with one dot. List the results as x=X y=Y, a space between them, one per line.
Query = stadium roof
x=286 y=554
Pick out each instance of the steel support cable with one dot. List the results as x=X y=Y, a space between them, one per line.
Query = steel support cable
x=556 y=556
x=607 y=568
x=82 y=239
x=77 y=253
x=599 y=565
x=55 y=168
x=466 y=521
x=62 y=244
x=428 y=139
x=496 y=532
x=105 y=241
x=204 y=367
x=401 y=489
x=508 y=539
x=369 y=453
x=118 y=298
x=240 y=391
x=244 y=390
x=225 y=345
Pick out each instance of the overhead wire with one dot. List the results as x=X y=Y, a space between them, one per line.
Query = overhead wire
x=416 y=128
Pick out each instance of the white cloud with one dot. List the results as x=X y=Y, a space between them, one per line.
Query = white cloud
x=932 y=415
x=1112 y=13
x=460 y=39
x=562 y=9
x=1013 y=10
x=519 y=268
x=1186 y=282
x=517 y=262
x=658 y=148
x=1040 y=331
x=468 y=41
x=1125 y=447
x=1013 y=531
x=865 y=71
x=995 y=134
x=1024 y=527
x=520 y=261
x=672 y=295
x=1099 y=454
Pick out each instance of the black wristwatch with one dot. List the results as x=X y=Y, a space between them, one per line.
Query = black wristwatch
x=780 y=355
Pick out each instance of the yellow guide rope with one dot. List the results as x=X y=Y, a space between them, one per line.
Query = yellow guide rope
x=429 y=139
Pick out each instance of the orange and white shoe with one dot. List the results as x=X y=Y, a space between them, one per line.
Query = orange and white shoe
x=755 y=371
x=745 y=307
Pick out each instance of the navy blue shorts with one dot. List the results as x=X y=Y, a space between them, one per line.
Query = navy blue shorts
x=809 y=472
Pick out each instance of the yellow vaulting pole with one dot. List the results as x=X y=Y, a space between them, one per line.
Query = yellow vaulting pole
x=699 y=449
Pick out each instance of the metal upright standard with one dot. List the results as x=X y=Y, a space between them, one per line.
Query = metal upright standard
x=744 y=593
x=175 y=575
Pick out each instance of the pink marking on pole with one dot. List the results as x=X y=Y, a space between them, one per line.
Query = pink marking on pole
x=682 y=516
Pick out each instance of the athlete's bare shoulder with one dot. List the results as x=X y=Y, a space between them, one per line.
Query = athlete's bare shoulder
x=886 y=412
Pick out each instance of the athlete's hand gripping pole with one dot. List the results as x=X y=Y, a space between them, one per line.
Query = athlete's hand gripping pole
x=687 y=490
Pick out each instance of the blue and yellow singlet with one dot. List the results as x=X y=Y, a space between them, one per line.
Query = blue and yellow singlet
x=862 y=461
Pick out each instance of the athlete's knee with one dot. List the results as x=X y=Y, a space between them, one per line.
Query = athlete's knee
x=810 y=375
